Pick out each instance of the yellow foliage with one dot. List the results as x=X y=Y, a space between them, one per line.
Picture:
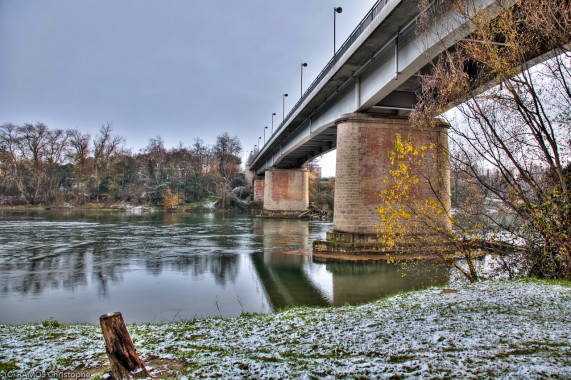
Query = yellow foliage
x=170 y=199
x=406 y=218
x=401 y=214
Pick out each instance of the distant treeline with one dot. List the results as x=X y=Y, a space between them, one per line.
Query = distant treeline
x=46 y=166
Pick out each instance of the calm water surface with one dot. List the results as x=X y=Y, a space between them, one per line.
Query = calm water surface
x=160 y=267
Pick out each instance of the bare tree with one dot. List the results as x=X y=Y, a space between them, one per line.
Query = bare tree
x=80 y=150
x=227 y=152
x=79 y=153
x=10 y=141
x=517 y=130
x=106 y=148
x=33 y=150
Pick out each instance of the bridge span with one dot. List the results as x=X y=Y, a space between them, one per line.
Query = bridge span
x=356 y=105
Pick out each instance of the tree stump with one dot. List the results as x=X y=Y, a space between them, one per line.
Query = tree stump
x=125 y=364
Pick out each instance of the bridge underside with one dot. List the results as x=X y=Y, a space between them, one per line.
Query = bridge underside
x=379 y=73
x=399 y=104
x=359 y=106
x=364 y=143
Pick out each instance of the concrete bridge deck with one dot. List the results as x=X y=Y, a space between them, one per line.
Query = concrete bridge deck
x=357 y=105
x=374 y=71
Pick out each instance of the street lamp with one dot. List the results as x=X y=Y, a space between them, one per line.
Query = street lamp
x=259 y=146
x=273 y=114
x=265 y=135
x=335 y=11
x=301 y=88
x=255 y=150
x=283 y=106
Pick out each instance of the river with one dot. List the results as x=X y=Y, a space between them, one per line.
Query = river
x=73 y=266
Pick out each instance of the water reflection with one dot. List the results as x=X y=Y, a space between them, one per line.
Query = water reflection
x=74 y=266
x=53 y=252
x=282 y=275
x=293 y=279
x=358 y=282
x=101 y=259
x=67 y=270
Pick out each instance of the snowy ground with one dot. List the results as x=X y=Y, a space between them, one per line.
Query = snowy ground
x=491 y=329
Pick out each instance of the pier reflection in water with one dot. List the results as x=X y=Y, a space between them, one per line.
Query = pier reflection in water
x=361 y=282
x=74 y=266
x=284 y=275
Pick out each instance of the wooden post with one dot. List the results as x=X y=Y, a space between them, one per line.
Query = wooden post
x=125 y=364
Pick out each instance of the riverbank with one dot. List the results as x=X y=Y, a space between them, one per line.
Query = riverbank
x=209 y=204
x=520 y=329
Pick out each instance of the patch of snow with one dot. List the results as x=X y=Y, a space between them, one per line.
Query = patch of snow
x=518 y=329
x=210 y=204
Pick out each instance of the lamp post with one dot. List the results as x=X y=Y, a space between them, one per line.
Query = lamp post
x=273 y=114
x=255 y=150
x=283 y=106
x=301 y=87
x=259 y=146
x=335 y=11
x=265 y=135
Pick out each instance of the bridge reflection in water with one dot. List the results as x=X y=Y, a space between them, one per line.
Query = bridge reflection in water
x=299 y=279
x=284 y=276
x=74 y=266
x=361 y=282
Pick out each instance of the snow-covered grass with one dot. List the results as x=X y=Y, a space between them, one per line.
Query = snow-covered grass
x=207 y=203
x=519 y=329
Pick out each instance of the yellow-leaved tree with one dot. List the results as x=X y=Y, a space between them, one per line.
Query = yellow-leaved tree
x=509 y=82
x=413 y=226
x=170 y=200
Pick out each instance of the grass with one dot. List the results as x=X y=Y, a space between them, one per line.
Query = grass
x=549 y=281
x=7 y=366
x=198 y=205
x=52 y=323
x=404 y=333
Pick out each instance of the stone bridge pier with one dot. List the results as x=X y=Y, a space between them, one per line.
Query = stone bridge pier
x=364 y=143
x=285 y=191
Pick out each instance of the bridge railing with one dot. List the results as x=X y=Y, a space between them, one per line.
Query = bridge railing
x=369 y=17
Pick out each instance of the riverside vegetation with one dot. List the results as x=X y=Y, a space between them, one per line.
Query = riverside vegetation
x=509 y=144
x=53 y=167
x=47 y=167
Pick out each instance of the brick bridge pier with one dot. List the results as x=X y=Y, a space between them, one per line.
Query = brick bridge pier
x=364 y=143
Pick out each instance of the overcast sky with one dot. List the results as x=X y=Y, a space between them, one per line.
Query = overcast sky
x=180 y=69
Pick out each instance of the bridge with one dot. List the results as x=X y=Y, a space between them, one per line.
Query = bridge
x=356 y=105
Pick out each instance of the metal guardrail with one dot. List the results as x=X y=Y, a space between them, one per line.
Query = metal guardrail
x=369 y=17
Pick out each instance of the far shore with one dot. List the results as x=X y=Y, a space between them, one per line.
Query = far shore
x=199 y=207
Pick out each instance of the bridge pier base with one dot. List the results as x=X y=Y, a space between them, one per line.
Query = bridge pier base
x=286 y=192
x=364 y=144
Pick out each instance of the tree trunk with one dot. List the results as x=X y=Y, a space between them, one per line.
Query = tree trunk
x=125 y=364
